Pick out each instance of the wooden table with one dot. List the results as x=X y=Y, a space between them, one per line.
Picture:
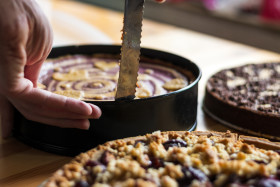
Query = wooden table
x=76 y=23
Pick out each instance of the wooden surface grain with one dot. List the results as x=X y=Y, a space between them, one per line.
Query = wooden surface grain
x=77 y=23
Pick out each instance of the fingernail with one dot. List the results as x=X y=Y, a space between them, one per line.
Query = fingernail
x=96 y=111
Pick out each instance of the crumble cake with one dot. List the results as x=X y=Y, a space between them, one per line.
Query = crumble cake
x=246 y=98
x=175 y=158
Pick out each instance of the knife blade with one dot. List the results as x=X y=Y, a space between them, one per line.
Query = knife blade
x=130 y=51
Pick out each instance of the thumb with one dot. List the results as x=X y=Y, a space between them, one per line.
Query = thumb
x=31 y=72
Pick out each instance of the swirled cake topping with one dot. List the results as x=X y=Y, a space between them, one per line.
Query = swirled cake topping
x=95 y=78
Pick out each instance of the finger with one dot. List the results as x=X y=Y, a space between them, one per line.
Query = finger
x=39 y=42
x=63 y=103
x=6 y=116
x=63 y=123
x=36 y=102
x=40 y=38
x=96 y=111
x=50 y=112
x=37 y=54
x=43 y=99
x=31 y=72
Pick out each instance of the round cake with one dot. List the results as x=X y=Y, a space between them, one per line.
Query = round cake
x=95 y=77
x=246 y=98
x=166 y=97
x=177 y=158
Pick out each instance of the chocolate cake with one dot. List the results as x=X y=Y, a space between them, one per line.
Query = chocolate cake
x=95 y=77
x=246 y=98
x=195 y=159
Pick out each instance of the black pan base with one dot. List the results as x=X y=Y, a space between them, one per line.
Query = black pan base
x=56 y=142
x=120 y=119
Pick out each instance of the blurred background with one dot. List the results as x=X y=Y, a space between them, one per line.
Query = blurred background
x=251 y=22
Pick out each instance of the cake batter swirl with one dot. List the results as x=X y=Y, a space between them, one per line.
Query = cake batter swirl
x=95 y=78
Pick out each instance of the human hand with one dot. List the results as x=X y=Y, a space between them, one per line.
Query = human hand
x=25 y=42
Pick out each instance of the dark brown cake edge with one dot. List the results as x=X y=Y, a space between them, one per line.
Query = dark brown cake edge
x=241 y=119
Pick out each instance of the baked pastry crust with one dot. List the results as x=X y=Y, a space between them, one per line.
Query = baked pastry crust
x=175 y=158
x=246 y=98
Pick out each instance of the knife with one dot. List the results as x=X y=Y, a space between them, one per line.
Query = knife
x=130 y=51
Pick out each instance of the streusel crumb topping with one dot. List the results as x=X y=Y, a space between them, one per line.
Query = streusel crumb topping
x=173 y=159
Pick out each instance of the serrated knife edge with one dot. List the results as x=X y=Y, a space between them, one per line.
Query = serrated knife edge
x=130 y=51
